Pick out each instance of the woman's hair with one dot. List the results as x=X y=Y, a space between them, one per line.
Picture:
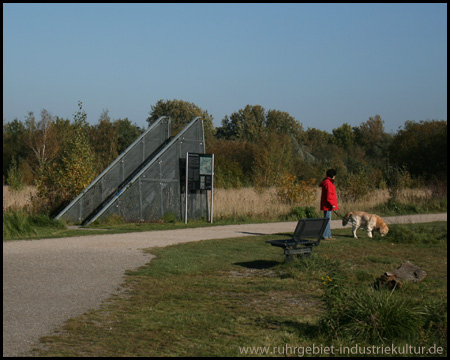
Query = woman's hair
x=331 y=173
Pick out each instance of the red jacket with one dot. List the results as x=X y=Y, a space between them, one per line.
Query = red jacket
x=329 y=197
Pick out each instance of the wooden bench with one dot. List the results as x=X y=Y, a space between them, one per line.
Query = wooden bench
x=307 y=234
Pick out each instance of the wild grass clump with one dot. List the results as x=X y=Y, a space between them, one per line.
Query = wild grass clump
x=435 y=322
x=20 y=224
x=432 y=233
x=16 y=223
x=369 y=316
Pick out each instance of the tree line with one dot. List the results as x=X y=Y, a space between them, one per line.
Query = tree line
x=252 y=147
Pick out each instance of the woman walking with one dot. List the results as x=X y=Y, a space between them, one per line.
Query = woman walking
x=328 y=201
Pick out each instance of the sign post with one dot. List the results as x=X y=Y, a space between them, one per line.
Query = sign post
x=199 y=176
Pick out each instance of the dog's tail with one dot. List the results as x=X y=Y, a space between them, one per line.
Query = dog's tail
x=346 y=218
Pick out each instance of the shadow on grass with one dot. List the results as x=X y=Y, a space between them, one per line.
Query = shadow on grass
x=258 y=264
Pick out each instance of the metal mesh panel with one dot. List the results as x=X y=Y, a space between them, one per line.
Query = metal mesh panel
x=155 y=189
x=112 y=180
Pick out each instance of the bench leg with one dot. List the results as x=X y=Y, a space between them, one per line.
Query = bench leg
x=291 y=253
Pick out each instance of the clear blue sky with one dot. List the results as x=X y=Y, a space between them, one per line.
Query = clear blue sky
x=324 y=64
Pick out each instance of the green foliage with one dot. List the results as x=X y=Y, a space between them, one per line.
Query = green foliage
x=181 y=113
x=78 y=161
x=15 y=180
x=59 y=182
x=422 y=148
x=14 y=146
x=104 y=141
x=344 y=136
x=233 y=162
x=253 y=147
x=127 y=133
x=273 y=157
x=365 y=315
x=355 y=185
x=20 y=224
x=433 y=233
x=398 y=178
x=16 y=223
x=300 y=212
x=369 y=316
x=170 y=218
x=253 y=123
x=292 y=191
x=372 y=138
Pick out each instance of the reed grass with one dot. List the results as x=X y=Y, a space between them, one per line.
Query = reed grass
x=265 y=204
x=255 y=204
x=17 y=200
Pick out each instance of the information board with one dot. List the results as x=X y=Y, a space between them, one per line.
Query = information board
x=200 y=171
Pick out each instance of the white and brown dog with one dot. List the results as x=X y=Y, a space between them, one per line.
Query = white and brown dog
x=370 y=222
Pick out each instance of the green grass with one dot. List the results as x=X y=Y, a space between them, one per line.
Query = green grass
x=19 y=224
x=215 y=297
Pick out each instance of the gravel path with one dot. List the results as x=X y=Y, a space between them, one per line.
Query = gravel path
x=46 y=282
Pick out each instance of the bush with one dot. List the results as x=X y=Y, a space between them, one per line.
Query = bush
x=355 y=185
x=300 y=212
x=291 y=191
x=369 y=316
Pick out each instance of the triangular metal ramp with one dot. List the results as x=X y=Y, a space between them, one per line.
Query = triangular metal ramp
x=118 y=173
x=155 y=190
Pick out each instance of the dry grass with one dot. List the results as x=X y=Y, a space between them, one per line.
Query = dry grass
x=265 y=204
x=247 y=202
x=17 y=200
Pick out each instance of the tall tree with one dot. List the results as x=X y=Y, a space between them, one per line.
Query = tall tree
x=247 y=124
x=104 y=140
x=59 y=182
x=283 y=123
x=252 y=123
x=422 y=148
x=372 y=138
x=273 y=159
x=127 y=133
x=41 y=138
x=343 y=136
x=14 y=135
x=181 y=113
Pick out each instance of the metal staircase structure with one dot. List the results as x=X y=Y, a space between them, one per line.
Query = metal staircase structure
x=143 y=183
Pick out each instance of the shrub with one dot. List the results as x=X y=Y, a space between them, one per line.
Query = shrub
x=368 y=315
x=291 y=191
x=355 y=185
x=300 y=212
